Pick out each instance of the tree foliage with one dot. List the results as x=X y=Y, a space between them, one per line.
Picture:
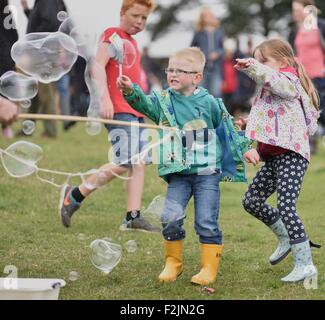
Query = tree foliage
x=244 y=16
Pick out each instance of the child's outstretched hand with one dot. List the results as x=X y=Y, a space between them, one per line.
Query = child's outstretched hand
x=241 y=123
x=252 y=156
x=125 y=84
x=242 y=64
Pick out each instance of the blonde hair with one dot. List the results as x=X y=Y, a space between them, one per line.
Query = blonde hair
x=306 y=3
x=127 y=4
x=281 y=50
x=193 y=55
x=200 y=25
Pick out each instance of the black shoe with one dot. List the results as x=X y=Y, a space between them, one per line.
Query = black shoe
x=139 y=223
x=68 y=125
x=68 y=206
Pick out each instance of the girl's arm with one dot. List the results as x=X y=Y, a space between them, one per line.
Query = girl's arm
x=135 y=97
x=270 y=79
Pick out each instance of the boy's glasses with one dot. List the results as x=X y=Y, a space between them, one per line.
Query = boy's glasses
x=178 y=71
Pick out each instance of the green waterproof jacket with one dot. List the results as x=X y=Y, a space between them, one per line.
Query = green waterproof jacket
x=225 y=148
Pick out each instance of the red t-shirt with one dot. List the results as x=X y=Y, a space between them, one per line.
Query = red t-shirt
x=229 y=84
x=267 y=151
x=112 y=73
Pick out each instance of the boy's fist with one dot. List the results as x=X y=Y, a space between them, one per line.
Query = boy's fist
x=125 y=84
x=241 y=123
x=252 y=156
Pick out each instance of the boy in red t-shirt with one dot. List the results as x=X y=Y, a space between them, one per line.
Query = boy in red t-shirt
x=126 y=141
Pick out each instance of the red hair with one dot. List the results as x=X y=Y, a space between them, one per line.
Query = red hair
x=127 y=4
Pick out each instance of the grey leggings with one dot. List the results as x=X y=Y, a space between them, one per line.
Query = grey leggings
x=283 y=174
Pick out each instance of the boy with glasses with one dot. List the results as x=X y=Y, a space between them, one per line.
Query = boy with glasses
x=183 y=105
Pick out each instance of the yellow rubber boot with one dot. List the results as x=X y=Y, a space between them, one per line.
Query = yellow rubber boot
x=210 y=259
x=174 y=262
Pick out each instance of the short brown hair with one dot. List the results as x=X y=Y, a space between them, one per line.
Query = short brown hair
x=127 y=4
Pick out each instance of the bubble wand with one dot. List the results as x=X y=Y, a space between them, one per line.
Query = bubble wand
x=116 y=50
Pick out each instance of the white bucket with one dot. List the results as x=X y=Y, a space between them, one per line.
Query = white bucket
x=30 y=289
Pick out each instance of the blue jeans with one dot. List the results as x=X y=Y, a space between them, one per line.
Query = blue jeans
x=127 y=141
x=63 y=87
x=206 y=193
x=212 y=81
x=319 y=83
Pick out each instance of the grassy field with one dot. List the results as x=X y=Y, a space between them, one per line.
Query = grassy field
x=32 y=238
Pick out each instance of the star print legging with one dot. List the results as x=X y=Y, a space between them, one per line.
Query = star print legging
x=283 y=174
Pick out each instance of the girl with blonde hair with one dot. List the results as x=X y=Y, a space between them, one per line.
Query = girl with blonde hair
x=209 y=38
x=283 y=117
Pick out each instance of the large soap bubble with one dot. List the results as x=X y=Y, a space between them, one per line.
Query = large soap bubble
x=18 y=87
x=155 y=212
x=86 y=41
x=45 y=56
x=20 y=158
x=105 y=255
x=156 y=207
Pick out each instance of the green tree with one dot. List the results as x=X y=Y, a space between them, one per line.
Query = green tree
x=256 y=16
x=243 y=16
x=168 y=17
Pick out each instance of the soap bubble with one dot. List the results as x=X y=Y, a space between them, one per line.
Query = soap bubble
x=131 y=246
x=73 y=276
x=26 y=156
x=28 y=127
x=175 y=212
x=156 y=207
x=81 y=236
x=62 y=15
x=18 y=87
x=80 y=36
x=85 y=40
x=67 y=25
x=155 y=211
x=93 y=128
x=25 y=104
x=96 y=89
x=105 y=255
x=45 y=56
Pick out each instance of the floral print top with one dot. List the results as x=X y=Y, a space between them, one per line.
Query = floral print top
x=282 y=113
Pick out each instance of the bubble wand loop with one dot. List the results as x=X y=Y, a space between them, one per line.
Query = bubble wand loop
x=117 y=46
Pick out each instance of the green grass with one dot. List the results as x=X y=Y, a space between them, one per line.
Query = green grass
x=32 y=238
